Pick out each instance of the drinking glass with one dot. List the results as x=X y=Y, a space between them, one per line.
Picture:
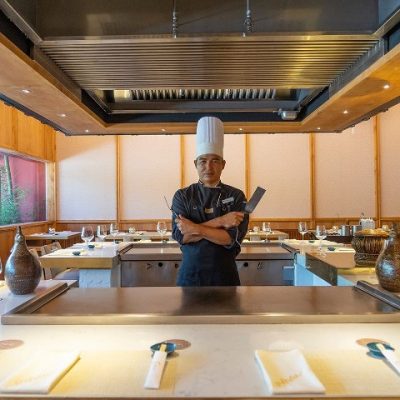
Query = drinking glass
x=101 y=232
x=320 y=233
x=87 y=234
x=302 y=229
x=266 y=227
x=114 y=231
x=161 y=229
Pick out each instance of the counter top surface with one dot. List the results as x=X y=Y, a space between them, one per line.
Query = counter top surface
x=218 y=364
x=103 y=257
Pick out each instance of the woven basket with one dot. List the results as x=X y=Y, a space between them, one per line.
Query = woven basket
x=368 y=246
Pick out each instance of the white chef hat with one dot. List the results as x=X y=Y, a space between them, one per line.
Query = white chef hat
x=209 y=136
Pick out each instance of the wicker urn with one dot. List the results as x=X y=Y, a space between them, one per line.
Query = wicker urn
x=368 y=244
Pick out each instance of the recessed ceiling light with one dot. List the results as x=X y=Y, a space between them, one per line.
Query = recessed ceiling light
x=62 y=115
x=386 y=86
x=26 y=91
x=240 y=129
x=87 y=131
x=345 y=112
x=163 y=130
x=318 y=128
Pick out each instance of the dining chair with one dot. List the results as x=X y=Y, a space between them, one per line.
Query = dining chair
x=59 y=273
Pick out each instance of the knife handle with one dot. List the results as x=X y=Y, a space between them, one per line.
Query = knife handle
x=154 y=375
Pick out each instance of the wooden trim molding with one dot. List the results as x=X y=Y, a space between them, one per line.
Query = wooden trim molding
x=312 y=179
x=118 y=178
x=183 y=160
x=377 y=159
x=247 y=165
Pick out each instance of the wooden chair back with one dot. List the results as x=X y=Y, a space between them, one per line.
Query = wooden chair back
x=49 y=248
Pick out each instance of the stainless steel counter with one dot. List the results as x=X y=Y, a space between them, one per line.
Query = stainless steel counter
x=261 y=265
x=166 y=253
x=211 y=305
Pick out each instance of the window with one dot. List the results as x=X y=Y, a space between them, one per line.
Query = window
x=22 y=190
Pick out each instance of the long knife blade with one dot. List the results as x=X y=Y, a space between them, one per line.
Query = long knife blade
x=254 y=200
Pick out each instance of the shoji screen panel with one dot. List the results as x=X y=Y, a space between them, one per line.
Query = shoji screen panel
x=390 y=162
x=234 y=154
x=150 y=168
x=281 y=164
x=86 y=177
x=344 y=165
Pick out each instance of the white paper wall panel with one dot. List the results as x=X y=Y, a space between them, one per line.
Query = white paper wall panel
x=281 y=164
x=86 y=177
x=189 y=154
x=234 y=155
x=344 y=164
x=150 y=169
x=390 y=162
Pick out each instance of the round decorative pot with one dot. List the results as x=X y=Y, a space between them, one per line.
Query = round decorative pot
x=368 y=244
x=388 y=263
x=22 y=271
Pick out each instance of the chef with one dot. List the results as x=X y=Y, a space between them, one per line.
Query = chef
x=208 y=218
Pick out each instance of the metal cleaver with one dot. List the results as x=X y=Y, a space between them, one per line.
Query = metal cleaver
x=254 y=200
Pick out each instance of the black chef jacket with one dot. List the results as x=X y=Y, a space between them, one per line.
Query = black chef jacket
x=205 y=263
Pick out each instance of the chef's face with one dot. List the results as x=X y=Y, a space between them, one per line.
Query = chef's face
x=209 y=167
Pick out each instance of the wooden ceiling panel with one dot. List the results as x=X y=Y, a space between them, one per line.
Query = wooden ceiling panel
x=49 y=98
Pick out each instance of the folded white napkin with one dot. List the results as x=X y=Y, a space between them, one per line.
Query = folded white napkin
x=287 y=372
x=41 y=373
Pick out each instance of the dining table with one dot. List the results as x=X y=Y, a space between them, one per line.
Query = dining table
x=65 y=238
x=99 y=264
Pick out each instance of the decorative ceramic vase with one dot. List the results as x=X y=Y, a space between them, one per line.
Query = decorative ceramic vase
x=22 y=270
x=388 y=263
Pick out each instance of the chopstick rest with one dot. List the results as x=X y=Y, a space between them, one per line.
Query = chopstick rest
x=154 y=375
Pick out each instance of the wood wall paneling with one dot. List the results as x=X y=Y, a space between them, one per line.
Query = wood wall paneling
x=51 y=191
x=30 y=136
x=7 y=127
x=26 y=135
x=50 y=143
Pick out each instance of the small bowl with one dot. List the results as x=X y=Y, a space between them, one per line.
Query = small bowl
x=91 y=246
x=331 y=248
x=311 y=241
x=171 y=347
x=375 y=352
x=76 y=252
